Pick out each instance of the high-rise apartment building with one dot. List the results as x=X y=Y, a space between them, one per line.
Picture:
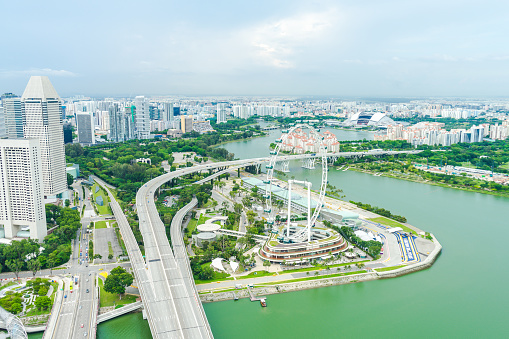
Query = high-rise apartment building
x=85 y=124
x=116 y=117
x=167 y=112
x=221 y=112
x=22 y=211
x=186 y=123
x=142 y=117
x=129 y=126
x=41 y=108
x=3 y=133
x=13 y=116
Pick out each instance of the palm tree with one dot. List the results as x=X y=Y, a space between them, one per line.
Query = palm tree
x=221 y=185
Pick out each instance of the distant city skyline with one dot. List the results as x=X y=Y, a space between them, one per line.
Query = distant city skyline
x=325 y=48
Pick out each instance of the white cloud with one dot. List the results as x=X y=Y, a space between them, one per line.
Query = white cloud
x=278 y=43
x=38 y=71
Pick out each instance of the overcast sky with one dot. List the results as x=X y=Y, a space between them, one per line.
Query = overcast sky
x=328 y=48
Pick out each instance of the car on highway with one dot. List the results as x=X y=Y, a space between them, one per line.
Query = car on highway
x=65 y=296
x=81 y=325
x=87 y=290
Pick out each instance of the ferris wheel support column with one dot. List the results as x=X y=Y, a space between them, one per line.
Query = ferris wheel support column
x=309 y=211
x=289 y=207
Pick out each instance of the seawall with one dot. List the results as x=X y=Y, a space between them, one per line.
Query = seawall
x=317 y=283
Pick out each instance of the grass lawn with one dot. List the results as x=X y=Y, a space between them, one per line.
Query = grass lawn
x=505 y=166
x=383 y=269
x=192 y=225
x=217 y=276
x=256 y=274
x=100 y=224
x=467 y=164
x=202 y=219
x=10 y=283
x=315 y=268
x=110 y=299
x=392 y=223
x=105 y=209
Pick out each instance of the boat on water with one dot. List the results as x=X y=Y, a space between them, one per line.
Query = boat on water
x=263 y=302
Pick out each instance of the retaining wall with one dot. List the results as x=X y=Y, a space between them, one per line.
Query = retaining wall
x=307 y=284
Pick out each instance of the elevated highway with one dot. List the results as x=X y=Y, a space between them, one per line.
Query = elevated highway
x=164 y=278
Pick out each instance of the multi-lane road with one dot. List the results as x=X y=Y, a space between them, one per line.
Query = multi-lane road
x=164 y=279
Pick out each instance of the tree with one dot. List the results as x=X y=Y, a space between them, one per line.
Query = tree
x=70 y=180
x=246 y=202
x=250 y=217
x=202 y=198
x=98 y=256
x=15 y=265
x=16 y=308
x=206 y=273
x=34 y=265
x=43 y=290
x=225 y=206
x=43 y=302
x=221 y=185
x=266 y=263
x=51 y=263
x=237 y=208
x=118 y=280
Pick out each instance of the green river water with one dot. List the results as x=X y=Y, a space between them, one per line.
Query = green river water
x=464 y=294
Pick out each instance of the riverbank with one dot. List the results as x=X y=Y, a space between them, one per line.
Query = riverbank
x=238 y=140
x=428 y=182
x=262 y=289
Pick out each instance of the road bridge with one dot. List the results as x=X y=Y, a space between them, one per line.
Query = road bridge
x=165 y=281
x=241 y=234
x=119 y=311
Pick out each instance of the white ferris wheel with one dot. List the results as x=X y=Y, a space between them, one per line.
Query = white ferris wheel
x=321 y=147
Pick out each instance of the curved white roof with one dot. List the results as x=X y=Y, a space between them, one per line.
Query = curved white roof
x=377 y=116
x=217 y=264
x=208 y=227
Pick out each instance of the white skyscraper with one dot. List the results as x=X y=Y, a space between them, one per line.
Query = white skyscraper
x=41 y=107
x=142 y=118
x=221 y=112
x=22 y=210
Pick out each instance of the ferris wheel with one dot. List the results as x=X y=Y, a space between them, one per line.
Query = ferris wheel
x=321 y=148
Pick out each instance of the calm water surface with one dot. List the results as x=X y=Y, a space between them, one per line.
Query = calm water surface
x=464 y=295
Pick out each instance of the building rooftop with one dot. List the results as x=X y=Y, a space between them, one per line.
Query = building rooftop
x=40 y=87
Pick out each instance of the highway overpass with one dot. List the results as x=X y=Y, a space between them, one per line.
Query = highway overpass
x=164 y=278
